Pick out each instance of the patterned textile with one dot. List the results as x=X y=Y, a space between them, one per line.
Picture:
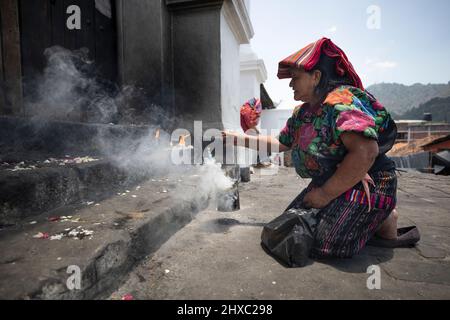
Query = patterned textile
x=308 y=57
x=345 y=225
x=250 y=114
x=313 y=133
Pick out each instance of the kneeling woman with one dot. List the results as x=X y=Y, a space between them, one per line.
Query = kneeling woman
x=339 y=137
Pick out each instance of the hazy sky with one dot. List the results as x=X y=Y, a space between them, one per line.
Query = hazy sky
x=412 y=44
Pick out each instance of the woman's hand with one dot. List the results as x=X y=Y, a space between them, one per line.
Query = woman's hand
x=317 y=198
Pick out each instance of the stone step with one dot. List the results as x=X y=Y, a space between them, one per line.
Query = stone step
x=29 y=185
x=118 y=233
x=28 y=138
x=27 y=193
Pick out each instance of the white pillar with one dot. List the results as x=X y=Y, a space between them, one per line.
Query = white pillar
x=236 y=29
x=253 y=74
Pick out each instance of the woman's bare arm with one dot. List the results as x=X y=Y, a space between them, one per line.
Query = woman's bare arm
x=258 y=143
x=361 y=155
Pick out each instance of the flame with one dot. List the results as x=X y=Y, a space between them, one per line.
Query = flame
x=157 y=134
x=182 y=140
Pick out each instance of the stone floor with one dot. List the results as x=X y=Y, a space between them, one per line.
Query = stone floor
x=104 y=238
x=218 y=256
x=160 y=240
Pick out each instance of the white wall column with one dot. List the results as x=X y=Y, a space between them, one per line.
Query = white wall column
x=236 y=29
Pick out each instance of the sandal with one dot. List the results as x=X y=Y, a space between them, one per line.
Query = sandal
x=406 y=237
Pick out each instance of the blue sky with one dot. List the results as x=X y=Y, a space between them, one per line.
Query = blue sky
x=411 y=46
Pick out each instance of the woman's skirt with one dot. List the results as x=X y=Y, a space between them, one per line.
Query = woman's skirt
x=346 y=225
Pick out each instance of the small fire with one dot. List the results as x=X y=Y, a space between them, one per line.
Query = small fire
x=157 y=134
x=182 y=140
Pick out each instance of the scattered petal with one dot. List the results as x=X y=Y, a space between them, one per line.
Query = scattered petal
x=41 y=235
x=127 y=297
x=57 y=237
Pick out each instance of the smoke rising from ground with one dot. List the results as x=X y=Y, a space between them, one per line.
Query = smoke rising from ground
x=70 y=89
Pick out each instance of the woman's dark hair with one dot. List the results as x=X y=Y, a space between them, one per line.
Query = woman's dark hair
x=329 y=80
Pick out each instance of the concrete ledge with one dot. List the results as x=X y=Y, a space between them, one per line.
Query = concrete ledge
x=31 y=192
x=28 y=193
x=125 y=230
x=26 y=138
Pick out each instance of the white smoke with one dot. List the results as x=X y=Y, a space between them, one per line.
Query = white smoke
x=69 y=89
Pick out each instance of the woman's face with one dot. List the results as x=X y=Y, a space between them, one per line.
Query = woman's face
x=304 y=84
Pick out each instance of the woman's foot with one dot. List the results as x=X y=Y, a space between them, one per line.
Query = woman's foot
x=388 y=236
x=388 y=229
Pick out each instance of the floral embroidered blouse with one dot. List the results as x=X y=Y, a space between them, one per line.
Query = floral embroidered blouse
x=313 y=134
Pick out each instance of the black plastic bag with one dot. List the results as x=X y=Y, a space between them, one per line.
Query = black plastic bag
x=290 y=237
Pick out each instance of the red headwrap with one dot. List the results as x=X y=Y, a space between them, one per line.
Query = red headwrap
x=250 y=113
x=308 y=57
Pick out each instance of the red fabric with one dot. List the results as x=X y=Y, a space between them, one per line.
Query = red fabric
x=308 y=57
x=250 y=114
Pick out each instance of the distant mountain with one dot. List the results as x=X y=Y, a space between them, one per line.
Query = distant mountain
x=438 y=107
x=399 y=98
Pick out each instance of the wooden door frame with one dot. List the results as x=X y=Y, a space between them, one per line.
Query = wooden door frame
x=10 y=59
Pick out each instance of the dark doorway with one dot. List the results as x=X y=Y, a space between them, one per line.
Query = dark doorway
x=43 y=24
